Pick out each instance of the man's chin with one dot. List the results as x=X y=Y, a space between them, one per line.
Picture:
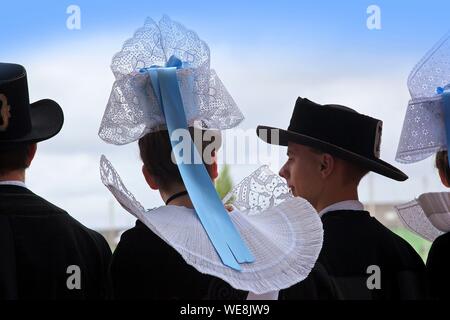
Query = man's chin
x=295 y=193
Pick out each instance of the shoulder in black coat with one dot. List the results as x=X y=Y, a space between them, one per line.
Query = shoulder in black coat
x=38 y=244
x=438 y=267
x=353 y=242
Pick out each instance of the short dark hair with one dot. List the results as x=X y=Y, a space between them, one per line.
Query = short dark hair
x=355 y=172
x=13 y=158
x=442 y=164
x=156 y=154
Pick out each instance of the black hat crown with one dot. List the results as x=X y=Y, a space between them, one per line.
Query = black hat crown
x=338 y=125
x=20 y=121
x=15 y=119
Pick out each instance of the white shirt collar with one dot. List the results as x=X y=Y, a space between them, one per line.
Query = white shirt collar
x=13 y=183
x=352 y=205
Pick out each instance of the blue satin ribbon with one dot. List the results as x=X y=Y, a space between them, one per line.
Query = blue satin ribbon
x=445 y=92
x=210 y=210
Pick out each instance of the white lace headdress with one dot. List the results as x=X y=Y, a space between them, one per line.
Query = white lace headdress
x=425 y=133
x=164 y=81
x=424 y=129
x=133 y=110
x=283 y=232
x=428 y=215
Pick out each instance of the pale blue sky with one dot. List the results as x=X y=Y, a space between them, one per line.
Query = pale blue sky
x=267 y=53
x=318 y=23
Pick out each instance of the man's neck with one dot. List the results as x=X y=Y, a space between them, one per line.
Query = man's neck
x=18 y=175
x=330 y=198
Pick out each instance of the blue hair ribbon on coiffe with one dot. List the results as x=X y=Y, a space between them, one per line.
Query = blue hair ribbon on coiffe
x=214 y=217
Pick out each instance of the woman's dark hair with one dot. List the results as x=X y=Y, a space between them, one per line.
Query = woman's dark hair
x=156 y=154
x=442 y=164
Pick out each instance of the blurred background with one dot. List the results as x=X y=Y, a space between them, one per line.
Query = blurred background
x=358 y=53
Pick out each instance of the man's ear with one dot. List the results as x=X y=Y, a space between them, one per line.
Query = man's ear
x=149 y=179
x=443 y=177
x=327 y=164
x=31 y=153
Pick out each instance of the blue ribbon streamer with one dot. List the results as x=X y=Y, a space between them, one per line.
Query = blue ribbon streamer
x=210 y=210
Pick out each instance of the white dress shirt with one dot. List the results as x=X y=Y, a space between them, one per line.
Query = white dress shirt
x=352 y=205
x=273 y=295
x=13 y=183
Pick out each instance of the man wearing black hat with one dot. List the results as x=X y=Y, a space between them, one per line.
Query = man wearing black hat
x=330 y=149
x=44 y=252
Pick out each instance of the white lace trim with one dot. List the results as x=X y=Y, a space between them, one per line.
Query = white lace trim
x=133 y=110
x=285 y=237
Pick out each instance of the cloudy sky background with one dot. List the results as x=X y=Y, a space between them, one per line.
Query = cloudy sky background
x=267 y=54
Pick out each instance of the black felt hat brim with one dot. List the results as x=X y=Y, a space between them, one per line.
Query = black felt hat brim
x=47 y=119
x=373 y=164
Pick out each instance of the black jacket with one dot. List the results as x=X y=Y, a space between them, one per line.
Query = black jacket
x=354 y=241
x=145 y=267
x=438 y=267
x=38 y=244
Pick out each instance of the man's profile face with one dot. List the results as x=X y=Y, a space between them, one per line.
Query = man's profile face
x=302 y=172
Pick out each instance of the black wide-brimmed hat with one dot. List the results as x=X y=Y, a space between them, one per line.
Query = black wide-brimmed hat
x=21 y=121
x=337 y=130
